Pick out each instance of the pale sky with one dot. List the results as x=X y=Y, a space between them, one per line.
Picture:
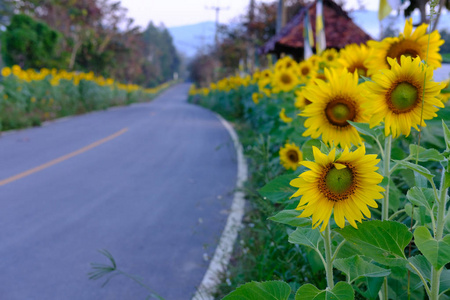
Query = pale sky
x=183 y=12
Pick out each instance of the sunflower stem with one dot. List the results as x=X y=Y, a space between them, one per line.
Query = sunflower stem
x=439 y=232
x=387 y=160
x=328 y=257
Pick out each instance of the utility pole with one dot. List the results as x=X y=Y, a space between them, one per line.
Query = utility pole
x=251 y=37
x=217 y=9
x=216 y=39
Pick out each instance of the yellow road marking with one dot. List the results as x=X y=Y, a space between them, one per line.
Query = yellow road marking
x=62 y=158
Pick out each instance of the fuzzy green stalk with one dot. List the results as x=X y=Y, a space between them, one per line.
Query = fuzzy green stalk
x=387 y=174
x=439 y=232
x=328 y=257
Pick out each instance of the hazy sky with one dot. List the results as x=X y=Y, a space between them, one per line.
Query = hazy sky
x=183 y=12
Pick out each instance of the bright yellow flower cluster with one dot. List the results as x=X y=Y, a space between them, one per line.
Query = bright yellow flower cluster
x=55 y=76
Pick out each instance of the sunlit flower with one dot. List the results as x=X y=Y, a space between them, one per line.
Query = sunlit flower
x=284 y=80
x=334 y=103
x=285 y=118
x=346 y=184
x=352 y=58
x=6 y=71
x=396 y=96
x=408 y=44
x=290 y=156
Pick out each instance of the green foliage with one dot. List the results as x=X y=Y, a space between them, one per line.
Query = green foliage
x=29 y=43
x=279 y=189
x=436 y=252
x=382 y=241
x=306 y=236
x=290 y=217
x=341 y=291
x=356 y=267
x=269 y=290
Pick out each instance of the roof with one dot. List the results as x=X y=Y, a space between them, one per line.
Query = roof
x=339 y=30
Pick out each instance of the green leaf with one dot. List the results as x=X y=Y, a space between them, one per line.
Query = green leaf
x=383 y=241
x=447 y=180
x=341 y=291
x=365 y=78
x=307 y=149
x=369 y=287
x=421 y=264
x=424 y=154
x=416 y=168
x=365 y=129
x=421 y=197
x=279 y=189
x=446 y=134
x=444 y=285
x=437 y=252
x=290 y=217
x=305 y=236
x=356 y=267
x=269 y=290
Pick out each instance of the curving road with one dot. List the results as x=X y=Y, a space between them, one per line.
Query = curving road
x=151 y=183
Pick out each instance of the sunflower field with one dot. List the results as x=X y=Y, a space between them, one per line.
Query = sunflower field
x=29 y=97
x=349 y=159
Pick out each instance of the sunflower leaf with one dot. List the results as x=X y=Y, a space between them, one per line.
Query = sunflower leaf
x=290 y=217
x=269 y=290
x=356 y=267
x=421 y=197
x=437 y=252
x=383 y=241
x=424 y=154
x=365 y=129
x=446 y=134
x=416 y=168
x=341 y=291
x=306 y=236
x=279 y=189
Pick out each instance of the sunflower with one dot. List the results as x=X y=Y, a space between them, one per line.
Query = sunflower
x=306 y=70
x=264 y=79
x=300 y=100
x=396 y=96
x=6 y=71
x=347 y=185
x=352 y=58
x=287 y=63
x=256 y=97
x=333 y=103
x=408 y=44
x=330 y=56
x=290 y=156
x=284 y=80
x=285 y=118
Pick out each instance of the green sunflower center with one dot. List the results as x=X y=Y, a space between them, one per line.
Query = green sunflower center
x=293 y=156
x=339 y=111
x=339 y=181
x=337 y=184
x=404 y=97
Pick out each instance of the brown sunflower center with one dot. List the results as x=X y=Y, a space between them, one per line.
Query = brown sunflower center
x=337 y=184
x=286 y=78
x=293 y=156
x=330 y=57
x=305 y=71
x=404 y=47
x=403 y=97
x=339 y=111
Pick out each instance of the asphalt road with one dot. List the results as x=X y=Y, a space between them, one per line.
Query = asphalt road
x=155 y=194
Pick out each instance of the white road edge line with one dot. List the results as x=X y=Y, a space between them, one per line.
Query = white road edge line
x=222 y=255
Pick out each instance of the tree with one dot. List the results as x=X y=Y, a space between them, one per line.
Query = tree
x=29 y=43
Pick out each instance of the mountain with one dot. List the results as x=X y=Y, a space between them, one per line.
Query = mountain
x=189 y=39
